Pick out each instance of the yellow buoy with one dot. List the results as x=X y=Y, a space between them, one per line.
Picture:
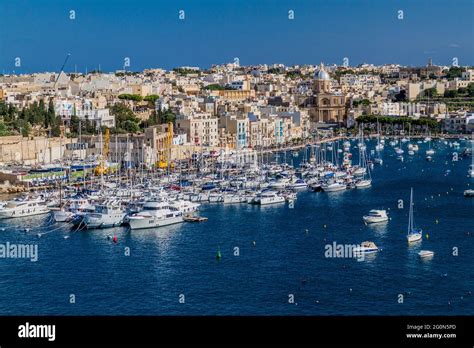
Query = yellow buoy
x=427 y=236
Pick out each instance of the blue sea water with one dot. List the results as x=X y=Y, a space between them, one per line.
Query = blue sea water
x=287 y=258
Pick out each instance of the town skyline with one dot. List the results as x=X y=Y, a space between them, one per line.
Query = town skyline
x=330 y=66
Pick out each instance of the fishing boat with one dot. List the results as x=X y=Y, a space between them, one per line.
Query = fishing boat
x=375 y=216
x=414 y=234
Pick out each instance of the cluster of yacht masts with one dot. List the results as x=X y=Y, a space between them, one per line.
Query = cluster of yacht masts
x=149 y=200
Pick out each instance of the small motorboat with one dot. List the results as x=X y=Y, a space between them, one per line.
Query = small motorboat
x=426 y=253
x=365 y=248
x=469 y=193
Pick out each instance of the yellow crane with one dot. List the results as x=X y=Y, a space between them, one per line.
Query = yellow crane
x=165 y=152
x=102 y=167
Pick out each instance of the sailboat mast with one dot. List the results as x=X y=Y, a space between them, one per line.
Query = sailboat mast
x=410 y=215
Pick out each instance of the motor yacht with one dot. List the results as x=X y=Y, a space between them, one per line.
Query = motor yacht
x=155 y=214
x=375 y=216
x=23 y=208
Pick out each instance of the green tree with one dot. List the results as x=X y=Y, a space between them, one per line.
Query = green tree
x=453 y=72
x=130 y=126
x=134 y=97
x=74 y=124
x=450 y=94
x=3 y=129
x=430 y=92
x=56 y=128
x=470 y=89
x=123 y=114
x=151 y=99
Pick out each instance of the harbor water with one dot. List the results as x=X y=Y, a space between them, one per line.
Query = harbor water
x=273 y=258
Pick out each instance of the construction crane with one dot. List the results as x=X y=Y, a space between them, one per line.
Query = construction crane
x=165 y=152
x=102 y=167
x=62 y=68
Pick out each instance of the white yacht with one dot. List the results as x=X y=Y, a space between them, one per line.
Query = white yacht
x=375 y=216
x=333 y=187
x=28 y=207
x=360 y=171
x=430 y=152
x=269 y=197
x=363 y=183
x=62 y=215
x=104 y=216
x=183 y=206
x=280 y=183
x=155 y=214
x=426 y=253
x=215 y=197
x=298 y=184
x=468 y=193
x=365 y=248
x=470 y=172
x=414 y=234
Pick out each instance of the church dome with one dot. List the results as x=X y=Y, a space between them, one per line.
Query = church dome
x=321 y=74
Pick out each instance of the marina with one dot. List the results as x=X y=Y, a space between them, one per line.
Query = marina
x=269 y=222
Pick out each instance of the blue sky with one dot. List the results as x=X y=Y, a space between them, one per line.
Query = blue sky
x=150 y=33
